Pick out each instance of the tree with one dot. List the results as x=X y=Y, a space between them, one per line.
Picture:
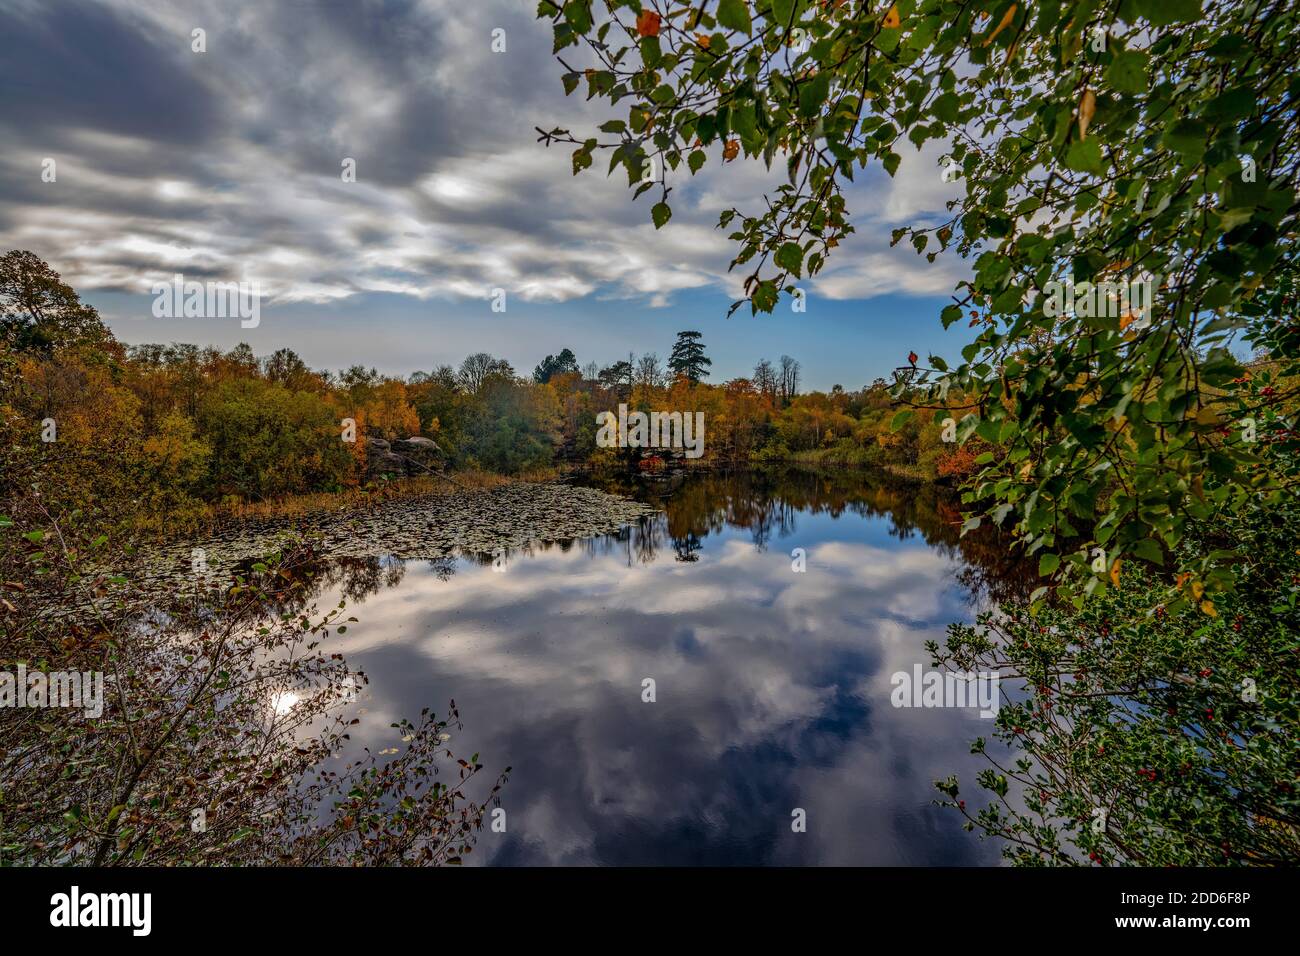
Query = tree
x=788 y=379
x=618 y=379
x=284 y=367
x=39 y=312
x=513 y=426
x=358 y=376
x=688 y=357
x=1096 y=144
x=476 y=369
x=649 y=373
x=554 y=365
x=765 y=380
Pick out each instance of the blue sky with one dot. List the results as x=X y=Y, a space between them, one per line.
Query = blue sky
x=224 y=165
x=847 y=342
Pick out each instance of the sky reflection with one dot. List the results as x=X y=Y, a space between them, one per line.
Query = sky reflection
x=772 y=686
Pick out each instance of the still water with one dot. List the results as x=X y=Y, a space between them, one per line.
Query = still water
x=771 y=685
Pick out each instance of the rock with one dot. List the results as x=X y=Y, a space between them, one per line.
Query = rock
x=421 y=455
x=383 y=462
x=416 y=445
x=405 y=456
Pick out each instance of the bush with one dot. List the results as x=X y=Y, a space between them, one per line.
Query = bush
x=1149 y=736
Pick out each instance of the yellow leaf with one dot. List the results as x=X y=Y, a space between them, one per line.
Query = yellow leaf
x=1197 y=589
x=1006 y=22
x=1208 y=608
x=1114 y=572
x=892 y=19
x=1087 y=106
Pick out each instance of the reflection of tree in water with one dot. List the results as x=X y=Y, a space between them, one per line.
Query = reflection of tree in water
x=767 y=501
x=442 y=568
x=355 y=579
x=687 y=547
x=226 y=712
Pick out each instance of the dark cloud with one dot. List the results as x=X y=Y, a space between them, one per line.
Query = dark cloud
x=81 y=65
x=227 y=163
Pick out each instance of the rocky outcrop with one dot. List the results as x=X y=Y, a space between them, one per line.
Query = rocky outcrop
x=401 y=458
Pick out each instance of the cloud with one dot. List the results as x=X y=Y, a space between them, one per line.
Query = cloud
x=226 y=163
x=772 y=693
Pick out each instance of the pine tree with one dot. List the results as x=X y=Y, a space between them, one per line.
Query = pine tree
x=688 y=357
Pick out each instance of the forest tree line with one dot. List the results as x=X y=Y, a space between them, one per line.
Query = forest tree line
x=175 y=427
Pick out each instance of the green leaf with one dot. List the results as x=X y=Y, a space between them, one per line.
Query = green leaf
x=764 y=297
x=650 y=52
x=813 y=93
x=945 y=107
x=1128 y=71
x=900 y=419
x=1162 y=13
x=790 y=258
x=1048 y=563
x=783 y=11
x=1149 y=550
x=734 y=15
x=1188 y=137
x=660 y=214
x=1084 y=156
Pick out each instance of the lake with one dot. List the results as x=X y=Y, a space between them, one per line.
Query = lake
x=771 y=686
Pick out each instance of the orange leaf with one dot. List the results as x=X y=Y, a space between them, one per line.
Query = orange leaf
x=1006 y=22
x=892 y=19
x=1114 y=572
x=703 y=39
x=647 y=23
x=1087 y=106
x=731 y=150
